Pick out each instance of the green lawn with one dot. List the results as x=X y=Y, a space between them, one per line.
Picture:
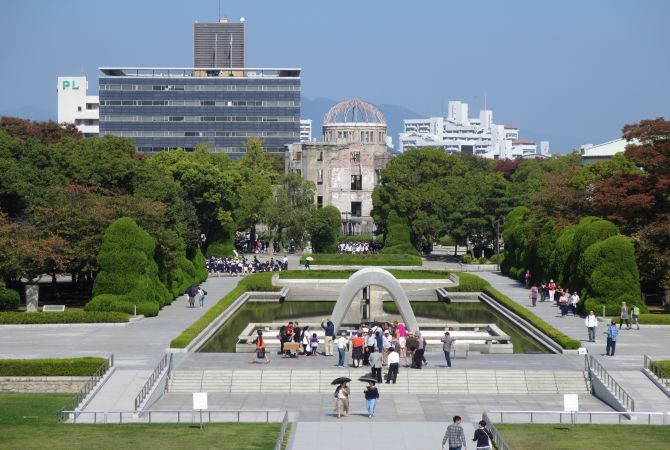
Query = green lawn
x=375 y=259
x=45 y=432
x=344 y=274
x=591 y=437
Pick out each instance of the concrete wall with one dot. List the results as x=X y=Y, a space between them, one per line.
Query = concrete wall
x=600 y=391
x=42 y=384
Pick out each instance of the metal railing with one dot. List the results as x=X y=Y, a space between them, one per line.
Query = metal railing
x=92 y=382
x=538 y=416
x=653 y=367
x=282 y=432
x=153 y=379
x=594 y=366
x=498 y=441
x=176 y=416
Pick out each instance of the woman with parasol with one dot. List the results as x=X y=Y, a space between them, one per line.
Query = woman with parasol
x=371 y=395
x=341 y=396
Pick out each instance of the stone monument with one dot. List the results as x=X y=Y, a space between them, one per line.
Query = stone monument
x=32 y=297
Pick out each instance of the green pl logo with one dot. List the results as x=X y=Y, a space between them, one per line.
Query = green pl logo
x=70 y=84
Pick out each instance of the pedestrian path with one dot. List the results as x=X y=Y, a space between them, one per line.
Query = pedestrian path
x=119 y=392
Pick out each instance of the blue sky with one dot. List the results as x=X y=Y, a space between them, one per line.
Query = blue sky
x=570 y=71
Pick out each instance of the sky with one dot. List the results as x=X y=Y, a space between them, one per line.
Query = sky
x=568 y=71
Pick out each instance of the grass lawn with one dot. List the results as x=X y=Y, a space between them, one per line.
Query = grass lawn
x=375 y=259
x=46 y=432
x=591 y=437
x=344 y=274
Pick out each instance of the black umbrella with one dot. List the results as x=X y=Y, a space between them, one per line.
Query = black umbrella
x=368 y=380
x=340 y=380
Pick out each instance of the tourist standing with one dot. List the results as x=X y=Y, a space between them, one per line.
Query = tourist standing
x=634 y=315
x=447 y=343
x=394 y=363
x=342 y=400
x=342 y=347
x=533 y=295
x=483 y=437
x=612 y=334
x=371 y=395
x=306 y=346
x=201 y=296
x=543 y=292
x=376 y=365
x=314 y=344
x=591 y=324
x=329 y=329
x=387 y=343
x=624 y=316
x=370 y=343
x=357 y=344
x=454 y=438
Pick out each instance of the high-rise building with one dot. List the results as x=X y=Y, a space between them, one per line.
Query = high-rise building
x=305 y=130
x=459 y=133
x=166 y=108
x=219 y=45
x=76 y=106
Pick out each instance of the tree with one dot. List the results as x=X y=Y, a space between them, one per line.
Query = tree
x=324 y=228
x=292 y=207
x=46 y=132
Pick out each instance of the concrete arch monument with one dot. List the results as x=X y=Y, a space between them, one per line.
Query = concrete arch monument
x=374 y=276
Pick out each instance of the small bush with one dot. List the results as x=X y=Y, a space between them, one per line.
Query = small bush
x=200 y=266
x=468 y=283
x=9 y=299
x=446 y=241
x=467 y=258
x=375 y=259
x=259 y=282
x=66 y=367
x=220 y=249
x=21 y=318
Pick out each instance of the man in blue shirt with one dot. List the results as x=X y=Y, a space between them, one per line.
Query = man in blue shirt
x=612 y=333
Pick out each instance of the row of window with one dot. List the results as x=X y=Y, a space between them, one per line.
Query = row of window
x=151 y=149
x=198 y=87
x=365 y=136
x=248 y=103
x=114 y=118
x=149 y=134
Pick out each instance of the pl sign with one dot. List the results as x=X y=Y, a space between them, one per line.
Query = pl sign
x=70 y=84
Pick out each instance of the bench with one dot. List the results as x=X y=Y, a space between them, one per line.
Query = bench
x=461 y=348
x=442 y=295
x=53 y=308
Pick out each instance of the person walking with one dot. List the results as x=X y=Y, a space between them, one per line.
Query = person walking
x=543 y=292
x=483 y=437
x=533 y=295
x=394 y=363
x=634 y=315
x=342 y=347
x=192 y=292
x=371 y=395
x=376 y=365
x=201 y=296
x=563 y=302
x=624 y=316
x=341 y=397
x=591 y=323
x=574 y=301
x=447 y=343
x=454 y=438
x=527 y=278
x=260 y=352
x=612 y=333
x=552 y=290
x=329 y=329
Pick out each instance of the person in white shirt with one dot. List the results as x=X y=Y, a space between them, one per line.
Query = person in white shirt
x=387 y=342
x=574 y=299
x=394 y=362
x=342 y=346
x=591 y=324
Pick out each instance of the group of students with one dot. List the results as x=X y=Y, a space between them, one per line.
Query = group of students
x=357 y=247
x=292 y=332
x=552 y=293
x=242 y=265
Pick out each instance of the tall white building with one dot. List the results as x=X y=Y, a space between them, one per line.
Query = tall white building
x=305 y=130
x=459 y=133
x=76 y=106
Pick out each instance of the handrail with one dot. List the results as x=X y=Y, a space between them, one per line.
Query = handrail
x=153 y=379
x=498 y=441
x=178 y=414
x=594 y=366
x=620 y=414
x=92 y=382
x=653 y=367
x=282 y=432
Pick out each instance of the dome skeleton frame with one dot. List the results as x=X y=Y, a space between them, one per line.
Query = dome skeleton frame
x=354 y=111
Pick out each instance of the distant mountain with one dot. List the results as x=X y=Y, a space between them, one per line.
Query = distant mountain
x=317 y=108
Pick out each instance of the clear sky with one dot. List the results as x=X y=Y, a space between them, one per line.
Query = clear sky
x=570 y=71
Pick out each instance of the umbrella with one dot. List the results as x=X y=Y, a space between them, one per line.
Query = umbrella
x=309 y=258
x=368 y=380
x=340 y=380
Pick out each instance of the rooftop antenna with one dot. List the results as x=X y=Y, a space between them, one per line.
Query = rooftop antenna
x=218 y=18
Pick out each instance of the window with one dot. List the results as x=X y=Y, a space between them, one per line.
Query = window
x=319 y=201
x=319 y=176
x=355 y=156
x=356 y=182
x=79 y=108
x=356 y=209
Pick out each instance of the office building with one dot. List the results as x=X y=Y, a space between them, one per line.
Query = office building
x=168 y=108
x=305 y=130
x=459 y=133
x=76 y=106
x=219 y=45
x=346 y=165
x=601 y=152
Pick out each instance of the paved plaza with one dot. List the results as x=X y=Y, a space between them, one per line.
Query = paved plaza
x=405 y=419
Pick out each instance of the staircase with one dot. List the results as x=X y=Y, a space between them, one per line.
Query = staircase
x=425 y=381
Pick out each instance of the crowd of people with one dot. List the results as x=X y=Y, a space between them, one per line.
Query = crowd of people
x=359 y=247
x=242 y=265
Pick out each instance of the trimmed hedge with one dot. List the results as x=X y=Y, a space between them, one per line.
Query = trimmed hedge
x=22 y=318
x=9 y=299
x=220 y=249
x=398 y=239
x=374 y=259
x=468 y=283
x=257 y=282
x=66 y=367
x=344 y=274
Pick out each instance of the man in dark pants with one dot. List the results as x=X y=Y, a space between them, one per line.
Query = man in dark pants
x=376 y=365
x=394 y=362
x=612 y=333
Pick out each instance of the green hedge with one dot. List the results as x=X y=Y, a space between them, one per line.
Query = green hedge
x=256 y=282
x=344 y=274
x=375 y=259
x=468 y=283
x=9 y=299
x=220 y=249
x=66 y=367
x=22 y=318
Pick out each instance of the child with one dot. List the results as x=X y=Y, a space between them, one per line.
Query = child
x=314 y=343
